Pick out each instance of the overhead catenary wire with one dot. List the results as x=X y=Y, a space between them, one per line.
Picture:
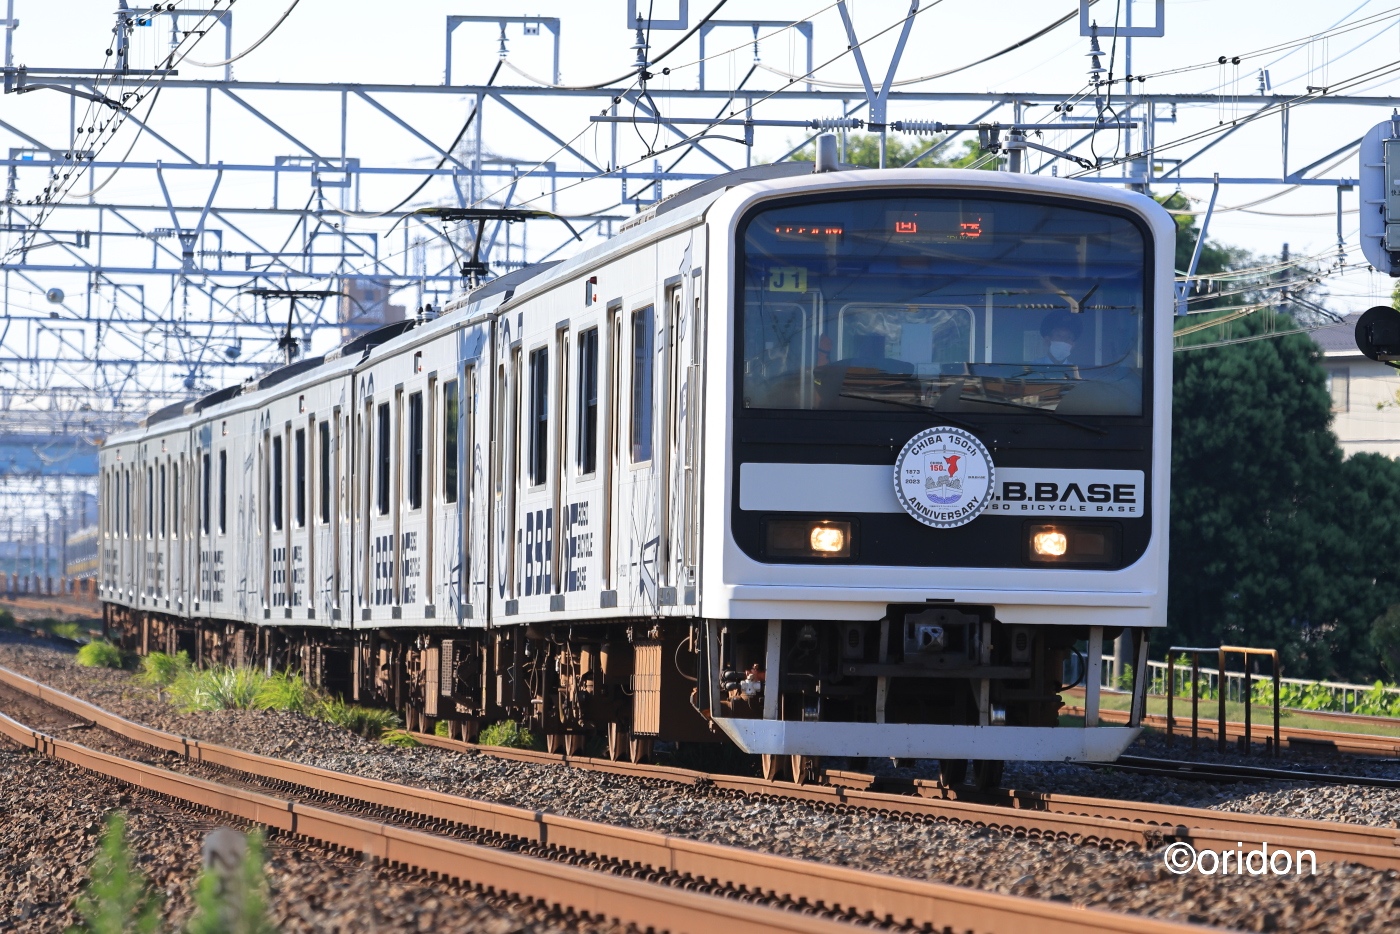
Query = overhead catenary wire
x=687 y=141
x=265 y=36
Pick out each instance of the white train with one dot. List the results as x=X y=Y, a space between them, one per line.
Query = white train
x=821 y=464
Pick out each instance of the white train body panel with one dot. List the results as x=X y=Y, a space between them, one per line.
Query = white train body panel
x=570 y=449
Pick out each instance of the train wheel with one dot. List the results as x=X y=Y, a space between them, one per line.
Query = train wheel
x=554 y=743
x=804 y=769
x=573 y=743
x=986 y=774
x=638 y=747
x=617 y=742
x=952 y=772
x=771 y=767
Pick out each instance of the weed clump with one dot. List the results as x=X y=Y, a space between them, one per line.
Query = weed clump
x=100 y=655
x=117 y=898
x=160 y=670
x=507 y=733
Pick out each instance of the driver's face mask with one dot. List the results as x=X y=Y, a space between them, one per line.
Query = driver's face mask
x=1060 y=350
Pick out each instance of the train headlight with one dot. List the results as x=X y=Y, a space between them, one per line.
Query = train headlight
x=828 y=539
x=1073 y=543
x=1050 y=543
x=808 y=538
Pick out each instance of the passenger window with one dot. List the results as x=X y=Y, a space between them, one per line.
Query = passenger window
x=223 y=492
x=325 y=430
x=451 y=414
x=208 y=486
x=415 y=451
x=299 y=453
x=539 y=415
x=382 y=453
x=175 y=500
x=127 y=499
x=150 y=503
x=163 y=499
x=586 y=452
x=642 y=332
x=277 y=483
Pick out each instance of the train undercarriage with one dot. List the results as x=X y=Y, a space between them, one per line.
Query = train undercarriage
x=621 y=686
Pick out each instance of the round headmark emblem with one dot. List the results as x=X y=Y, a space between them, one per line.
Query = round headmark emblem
x=943 y=477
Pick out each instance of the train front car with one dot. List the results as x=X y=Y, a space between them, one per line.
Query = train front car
x=948 y=448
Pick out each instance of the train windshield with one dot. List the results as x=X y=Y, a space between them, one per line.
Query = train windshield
x=945 y=304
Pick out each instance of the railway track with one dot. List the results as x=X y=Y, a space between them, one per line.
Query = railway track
x=1220 y=772
x=1132 y=823
x=738 y=889
x=1084 y=820
x=1294 y=738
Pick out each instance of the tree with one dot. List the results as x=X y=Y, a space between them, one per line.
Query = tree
x=863 y=149
x=1276 y=540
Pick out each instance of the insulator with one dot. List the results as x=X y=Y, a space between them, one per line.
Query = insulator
x=837 y=123
x=918 y=127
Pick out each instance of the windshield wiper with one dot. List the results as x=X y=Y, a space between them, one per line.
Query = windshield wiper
x=916 y=406
x=1048 y=413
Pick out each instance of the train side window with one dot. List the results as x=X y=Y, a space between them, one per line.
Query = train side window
x=223 y=492
x=126 y=499
x=163 y=500
x=586 y=453
x=175 y=500
x=208 y=482
x=382 y=440
x=415 y=450
x=299 y=476
x=276 y=496
x=539 y=416
x=642 y=342
x=150 y=503
x=325 y=496
x=451 y=418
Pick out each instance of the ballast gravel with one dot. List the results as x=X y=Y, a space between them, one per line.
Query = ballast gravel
x=51 y=820
x=1338 y=897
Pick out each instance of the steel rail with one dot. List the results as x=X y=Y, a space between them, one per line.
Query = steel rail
x=819 y=886
x=1378 y=847
x=629 y=901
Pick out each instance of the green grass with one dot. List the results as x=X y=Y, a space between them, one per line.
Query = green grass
x=160 y=670
x=217 y=688
x=400 y=739
x=225 y=688
x=100 y=655
x=369 y=722
x=441 y=728
x=509 y=734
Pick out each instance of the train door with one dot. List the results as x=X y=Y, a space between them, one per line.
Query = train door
x=612 y=460
x=559 y=476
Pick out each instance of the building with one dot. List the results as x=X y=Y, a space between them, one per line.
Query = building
x=1365 y=394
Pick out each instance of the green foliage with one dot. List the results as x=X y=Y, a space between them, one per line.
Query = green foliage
x=237 y=905
x=160 y=670
x=284 y=690
x=369 y=722
x=7 y=619
x=441 y=728
x=863 y=149
x=217 y=688
x=1385 y=639
x=507 y=733
x=399 y=738
x=223 y=688
x=116 y=899
x=99 y=655
x=1277 y=541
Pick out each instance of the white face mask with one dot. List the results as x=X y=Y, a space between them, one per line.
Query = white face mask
x=1059 y=350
